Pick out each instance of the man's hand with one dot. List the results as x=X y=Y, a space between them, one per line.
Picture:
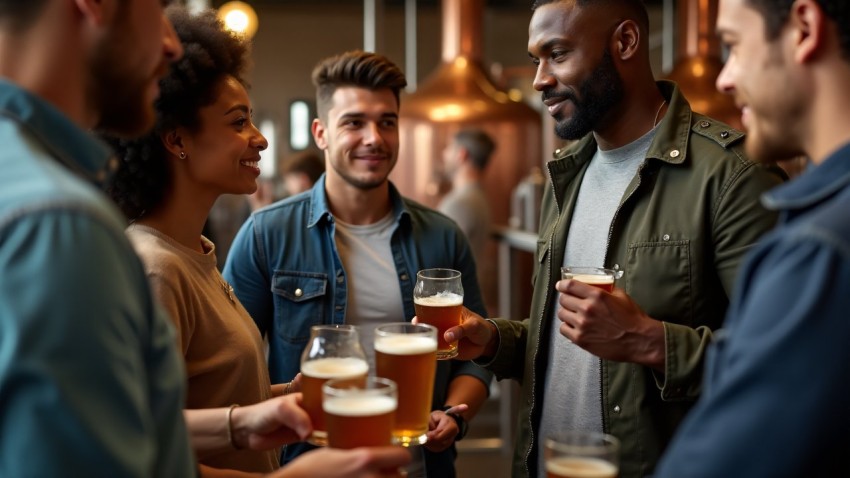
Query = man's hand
x=378 y=462
x=271 y=423
x=610 y=326
x=442 y=429
x=476 y=337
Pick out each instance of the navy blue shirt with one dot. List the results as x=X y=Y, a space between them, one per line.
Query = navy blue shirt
x=778 y=377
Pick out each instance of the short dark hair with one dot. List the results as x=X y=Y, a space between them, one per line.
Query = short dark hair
x=17 y=14
x=355 y=68
x=775 y=14
x=211 y=54
x=636 y=6
x=306 y=162
x=478 y=144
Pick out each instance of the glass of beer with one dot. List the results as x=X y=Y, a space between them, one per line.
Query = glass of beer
x=595 y=276
x=407 y=354
x=333 y=351
x=359 y=412
x=574 y=454
x=438 y=299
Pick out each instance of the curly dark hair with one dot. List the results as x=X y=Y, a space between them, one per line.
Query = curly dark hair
x=775 y=13
x=211 y=54
x=355 y=68
x=17 y=15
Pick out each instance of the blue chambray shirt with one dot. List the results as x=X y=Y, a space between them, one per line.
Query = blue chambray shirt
x=290 y=245
x=778 y=379
x=91 y=383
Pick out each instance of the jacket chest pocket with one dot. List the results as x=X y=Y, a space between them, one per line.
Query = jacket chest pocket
x=299 y=303
x=658 y=277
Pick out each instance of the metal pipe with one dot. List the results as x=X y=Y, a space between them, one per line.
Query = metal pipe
x=411 y=55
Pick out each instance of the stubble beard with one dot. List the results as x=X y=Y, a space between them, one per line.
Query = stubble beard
x=600 y=92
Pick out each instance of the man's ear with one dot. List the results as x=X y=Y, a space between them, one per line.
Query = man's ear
x=173 y=142
x=626 y=39
x=98 y=12
x=809 y=30
x=319 y=134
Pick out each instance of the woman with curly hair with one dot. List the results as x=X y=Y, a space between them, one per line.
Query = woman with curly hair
x=204 y=145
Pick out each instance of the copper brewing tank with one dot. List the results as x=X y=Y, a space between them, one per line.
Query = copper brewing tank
x=698 y=61
x=460 y=94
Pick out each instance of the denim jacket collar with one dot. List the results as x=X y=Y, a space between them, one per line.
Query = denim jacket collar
x=72 y=146
x=319 y=204
x=817 y=184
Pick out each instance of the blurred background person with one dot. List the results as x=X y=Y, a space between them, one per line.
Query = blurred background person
x=300 y=172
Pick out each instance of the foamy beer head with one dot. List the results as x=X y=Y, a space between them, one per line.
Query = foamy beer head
x=359 y=412
x=595 y=276
x=579 y=454
x=407 y=354
x=438 y=299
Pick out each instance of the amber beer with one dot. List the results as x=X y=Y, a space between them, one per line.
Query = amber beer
x=595 y=276
x=314 y=374
x=407 y=354
x=443 y=312
x=604 y=282
x=360 y=414
x=575 y=467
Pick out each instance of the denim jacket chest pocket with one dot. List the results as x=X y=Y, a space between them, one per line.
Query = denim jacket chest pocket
x=299 y=301
x=658 y=277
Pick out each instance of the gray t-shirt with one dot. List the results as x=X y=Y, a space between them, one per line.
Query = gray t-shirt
x=571 y=400
x=469 y=208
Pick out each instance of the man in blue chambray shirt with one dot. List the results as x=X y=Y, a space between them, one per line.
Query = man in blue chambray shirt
x=348 y=250
x=777 y=381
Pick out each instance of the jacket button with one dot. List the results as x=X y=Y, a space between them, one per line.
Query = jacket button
x=340 y=279
x=299 y=292
x=616 y=409
x=403 y=277
x=666 y=237
x=558 y=151
x=339 y=307
x=674 y=153
x=724 y=134
x=704 y=124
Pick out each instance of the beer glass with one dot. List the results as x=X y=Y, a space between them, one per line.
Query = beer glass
x=438 y=299
x=407 y=354
x=595 y=276
x=359 y=412
x=575 y=454
x=333 y=352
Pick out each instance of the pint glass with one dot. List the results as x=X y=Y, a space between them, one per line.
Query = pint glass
x=582 y=455
x=407 y=354
x=359 y=412
x=333 y=352
x=595 y=276
x=438 y=299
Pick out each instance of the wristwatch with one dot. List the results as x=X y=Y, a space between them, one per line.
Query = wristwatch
x=462 y=426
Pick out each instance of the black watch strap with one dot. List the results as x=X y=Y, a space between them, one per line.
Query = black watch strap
x=462 y=426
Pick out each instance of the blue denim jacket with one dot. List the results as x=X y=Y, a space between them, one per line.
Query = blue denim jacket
x=289 y=246
x=91 y=383
x=777 y=380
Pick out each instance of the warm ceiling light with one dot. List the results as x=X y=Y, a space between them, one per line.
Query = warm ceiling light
x=239 y=18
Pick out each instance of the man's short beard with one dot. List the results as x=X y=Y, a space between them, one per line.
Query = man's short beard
x=599 y=93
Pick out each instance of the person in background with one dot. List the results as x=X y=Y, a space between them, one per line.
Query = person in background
x=776 y=383
x=651 y=189
x=92 y=383
x=301 y=171
x=348 y=250
x=464 y=160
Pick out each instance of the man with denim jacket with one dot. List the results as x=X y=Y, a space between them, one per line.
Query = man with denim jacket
x=348 y=250
x=652 y=189
x=777 y=381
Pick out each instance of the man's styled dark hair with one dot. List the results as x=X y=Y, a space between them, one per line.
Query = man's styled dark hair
x=636 y=6
x=355 y=68
x=478 y=144
x=18 y=14
x=211 y=54
x=775 y=14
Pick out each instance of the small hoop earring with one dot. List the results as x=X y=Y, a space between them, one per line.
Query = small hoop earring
x=182 y=155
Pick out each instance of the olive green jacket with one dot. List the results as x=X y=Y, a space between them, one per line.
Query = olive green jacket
x=680 y=233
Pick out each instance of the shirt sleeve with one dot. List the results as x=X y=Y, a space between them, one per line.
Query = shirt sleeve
x=246 y=270
x=76 y=355
x=777 y=377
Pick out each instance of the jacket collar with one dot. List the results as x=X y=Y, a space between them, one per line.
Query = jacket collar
x=319 y=204
x=816 y=185
x=77 y=149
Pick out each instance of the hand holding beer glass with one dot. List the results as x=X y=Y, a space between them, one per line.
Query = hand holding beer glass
x=359 y=412
x=407 y=354
x=579 y=454
x=333 y=352
x=438 y=300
